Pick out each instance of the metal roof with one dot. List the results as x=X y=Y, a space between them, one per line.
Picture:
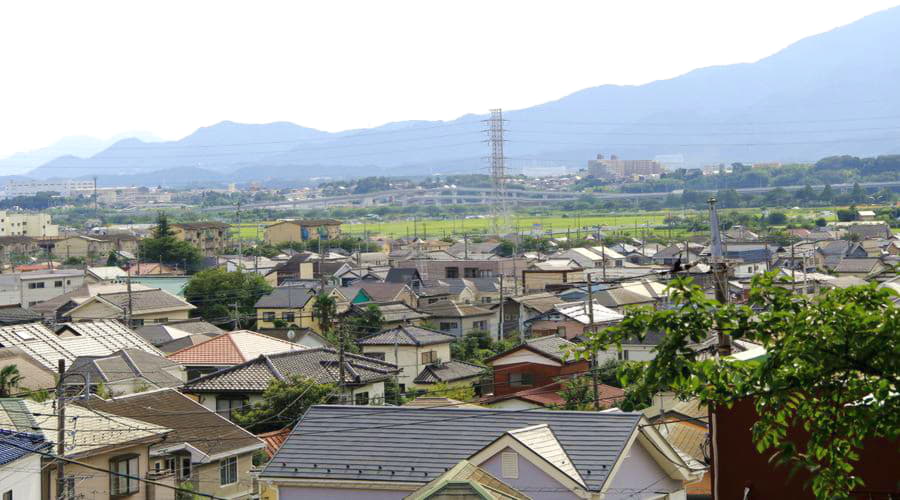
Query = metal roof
x=289 y=297
x=358 y=443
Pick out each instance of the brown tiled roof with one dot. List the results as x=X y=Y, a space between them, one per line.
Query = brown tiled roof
x=274 y=439
x=232 y=348
x=190 y=422
x=549 y=395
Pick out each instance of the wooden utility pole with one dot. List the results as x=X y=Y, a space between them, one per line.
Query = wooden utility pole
x=342 y=331
x=720 y=272
x=502 y=300
x=130 y=304
x=590 y=311
x=61 y=433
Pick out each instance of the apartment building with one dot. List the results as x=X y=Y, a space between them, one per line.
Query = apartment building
x=212 y=238
x=29 y=288
x=65 y=187
x=614 y=168
x=27 y=224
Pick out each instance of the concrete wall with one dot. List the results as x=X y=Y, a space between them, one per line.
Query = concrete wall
x=640 y=472
x=31 y=296
x=532 y=481
x=22 y=477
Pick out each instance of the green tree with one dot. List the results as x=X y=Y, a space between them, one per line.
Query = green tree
x=215 y=291
x=858 y=194
x=821 y=222
x=578 y=393
x=777 y=219
x=367 y=322
x=831 y=369
x=284 y=401
x=9 y=380
x=807 y=195
x=163 y=246
x=324 y=310
x=827 y=194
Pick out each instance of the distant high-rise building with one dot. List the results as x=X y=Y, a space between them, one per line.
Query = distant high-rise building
x=614 y=168
x=29 y=187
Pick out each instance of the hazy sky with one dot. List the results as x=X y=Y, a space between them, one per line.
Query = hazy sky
x=100 y=68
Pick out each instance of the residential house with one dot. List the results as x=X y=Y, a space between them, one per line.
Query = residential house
x=454 y=290
x=570 y=319
x=870 y=230
x=540 y=454
x=393 y=314
x=550 y=272
x=153 y=269
x=459 y=268
x=102 y=440
x=466 y=480
x=302 y=230
x=125 y=371
x=57 y=309
x=470 y=250
x=15 y=315
x=593 y=257
x=36 y=349
x=548 y=396
x=105 y=274
x=227 y=350
x=866 y=268
x=452 y=373
x=243 y=384
x=408 y=276
x=211 y=238
x=671 y=254
x=410 y=348
x=381 y=292
x=94 y=248
x=143 y=307
x=536 y=362
x=369 y=259
x=32 y=287
x=686 y=426
x=209 y=453
x=21 y=454
x=298 y=267
x=162 y=335
x=292 y=305
x=519 y=309
x=460 y=319
x=748 y=259
x=741 y=234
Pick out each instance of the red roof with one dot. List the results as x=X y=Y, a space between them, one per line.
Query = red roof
x=548 y=395
x=232 y=348
x=274 y=439
x=37 y=267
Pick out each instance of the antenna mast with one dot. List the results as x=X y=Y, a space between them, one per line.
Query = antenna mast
x=499 y=212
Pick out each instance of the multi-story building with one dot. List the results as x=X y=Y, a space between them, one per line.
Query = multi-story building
x=212 y=238
x=29 y=288
x=303 y=230
x=65 y=187
x=614 y=168
x=93 y=248
x=27 y=224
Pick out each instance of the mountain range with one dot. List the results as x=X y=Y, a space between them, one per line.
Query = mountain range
x=832 y=93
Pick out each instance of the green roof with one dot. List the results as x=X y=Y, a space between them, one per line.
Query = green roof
x=172 y=284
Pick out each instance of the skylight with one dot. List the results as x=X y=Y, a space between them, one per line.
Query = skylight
x=24 y=335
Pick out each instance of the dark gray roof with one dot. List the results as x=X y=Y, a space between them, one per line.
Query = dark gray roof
x=145 y=300
x=159 y=334
x=407 y=335
x=392 y=312
x=125 y=364
x=15 y=445
x=287 y=296
x=870 y=230
x=448 y=371
x=320 y=364
x=386 y=444
x=405 y=275
x=17 y=315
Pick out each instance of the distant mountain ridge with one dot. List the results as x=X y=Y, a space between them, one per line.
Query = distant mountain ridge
x=833 y=93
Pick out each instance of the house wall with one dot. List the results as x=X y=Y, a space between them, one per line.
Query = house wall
x=639 y=471
x=24 y=224
x=568 y=328
x=30 y=296
x=211 y=242
x=94 y=481
x=532 y=481
x=409 y=358
x=634 y=353
x=537 y=281
x=541 y=375
x=208 y=478
x=22 y=477
x=303 y=316
x=162 y=317
x=34 y=375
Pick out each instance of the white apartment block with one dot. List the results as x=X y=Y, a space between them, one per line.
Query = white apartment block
x=32 y=187
x=30 y=288
x=25 y=224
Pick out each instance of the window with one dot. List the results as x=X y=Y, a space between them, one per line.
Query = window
x=361 y=398
x=446 y=327
x=170 y=465
x=486 y=300
x=125 y=466
x=32 y=286
x=225 y=406
x=185 y=472
x=7 y=495
x=623 y=356
x=227 y=471
x=374 y=355
x=470 y=272
x=480 y=325
x=432 y=301
x=268 y=316
x=287 y=316
x=162 y=320
x=509 y=465
x=429 y=357
x=452 y=272
x=68 y=282
x=521 y=379
x=561 y=331
x=57 y=284
x=137 y=322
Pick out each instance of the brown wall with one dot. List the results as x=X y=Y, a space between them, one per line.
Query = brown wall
x=542 y=374
x=739 y=464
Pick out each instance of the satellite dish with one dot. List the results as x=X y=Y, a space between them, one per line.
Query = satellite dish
x=291 y=335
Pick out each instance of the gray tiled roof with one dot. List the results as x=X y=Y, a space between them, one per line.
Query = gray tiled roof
x=320 y=364
x=856 y=265
x=146 y=300
x=551 y=345
x=407 y=335
x=290 y=296
x=386 y=444
x=126 y=364
x=447 y=371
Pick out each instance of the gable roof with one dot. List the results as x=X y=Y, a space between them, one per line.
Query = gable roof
x=380 y=292
x=161 y=333
x=392 y=312
x=550 y=346
x=319 y=364
x=70 y=340
x=330 y=442
x=578 y=311
x=407 y=335
x=286 y=297
x=404 y=275
x=448 y=371
x=189 y=421
x=540 y=302
x=142 y=301
x=232 y=348
x=848 y=265
x=17 y=315
x=126 y=364
x=450 y=309
x=466 y=478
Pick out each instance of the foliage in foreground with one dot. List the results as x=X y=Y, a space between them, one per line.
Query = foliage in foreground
x=831 y=369
x=284 y=401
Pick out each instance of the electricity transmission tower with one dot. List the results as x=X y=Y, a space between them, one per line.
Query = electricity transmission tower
x=499 y=209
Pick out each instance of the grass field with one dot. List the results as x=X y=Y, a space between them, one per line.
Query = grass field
x=557 y=222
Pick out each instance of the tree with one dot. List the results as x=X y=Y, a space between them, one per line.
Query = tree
x=807 y=195
x=821 y=222
x=324 y=310
x=284 y=401
x=163 y=246
x=827 y=194
x=777 y=219
x=215 y=291
x=578 y=393
x=858 y=194
x=367 y=322
x=830 y=369
x=9 y=380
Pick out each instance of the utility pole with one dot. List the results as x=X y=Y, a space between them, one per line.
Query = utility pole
x=342 y=331
x=240 y=238
x=130 y=304
x=466 y=245
x=720 y=272
x=590 y=311
x=61 y=433
x=502 y=299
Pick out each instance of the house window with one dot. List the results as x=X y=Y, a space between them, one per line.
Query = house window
x=452 y=272
x=162 y=320
x=57 y=284
x=185 y=472
x=374 y=355
x=137 y=322
x=521 y=380
x=119 y=484
x=561 y=331
x=432 y=301
x=227 y=406
x=446 y=327
x=623 y=356
x=479 y=325
x=227 y=471
x=36 y=285
x=429 y=357
x=170 y=465
x=287 y=316
x=361 y=398
x=486 y=300
x=470 y=272
x=7 y=495
x=269 y=316
x=509 y=465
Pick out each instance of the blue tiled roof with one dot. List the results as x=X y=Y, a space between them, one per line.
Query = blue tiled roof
x=15 y=445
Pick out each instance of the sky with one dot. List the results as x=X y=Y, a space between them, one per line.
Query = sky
x=101 y=68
